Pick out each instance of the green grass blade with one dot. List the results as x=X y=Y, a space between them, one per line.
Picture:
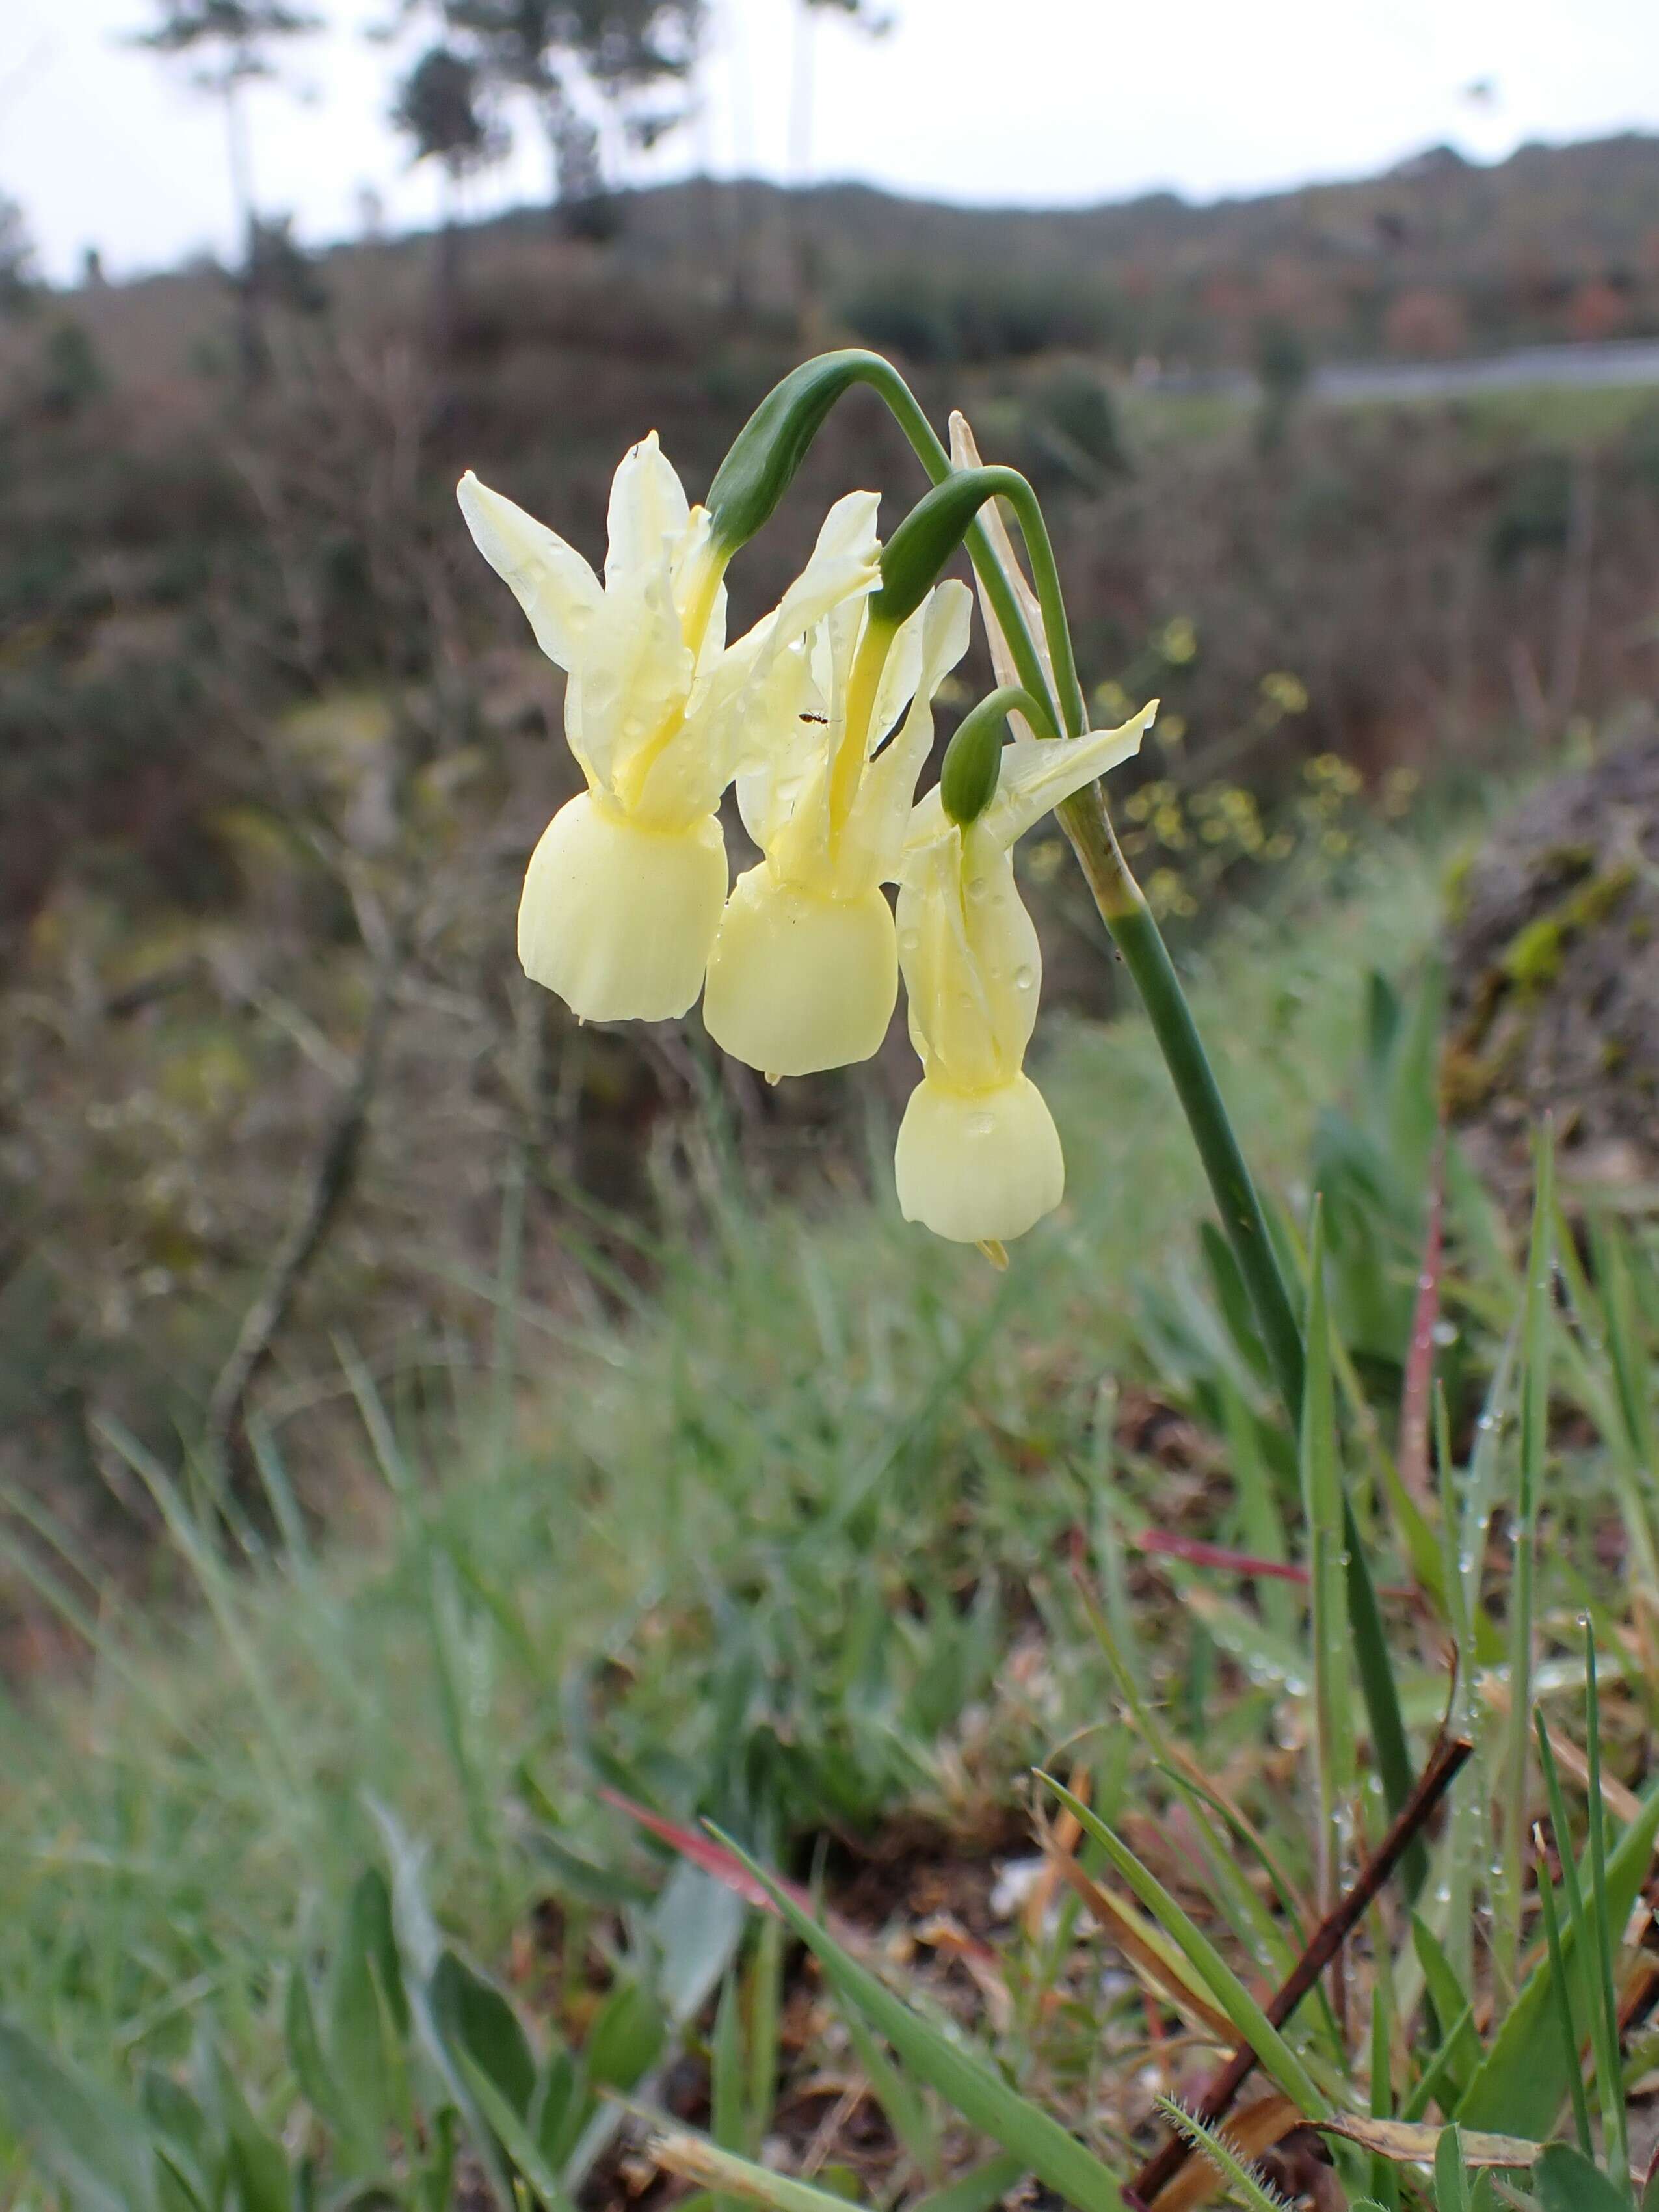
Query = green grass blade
x=1451 y=2182
x=1536 y=1335
x=218 y=1589
x=1272 y=2053
x=1385 y=2182
x=515 y=2137
x=1372 y=1663
x=1599 y=1965
x=906 y=2114
x=1565 y=2180
x=1436 y=2076
x=1522 y=2084
x=1261 y=1523
x=1449 y=1999
x=1245 y=1914
x=1381 y=1693
x=980 y=2189
x=765 y=2006
x=96 y=2147
x=1603 y=1362
x=1322 y=1504
x=1563 y=1989
x=1587 y=1934
x=728 y=2122
x=962 y=2078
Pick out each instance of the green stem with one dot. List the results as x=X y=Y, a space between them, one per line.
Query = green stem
x=902 y=405
x=1124 y=909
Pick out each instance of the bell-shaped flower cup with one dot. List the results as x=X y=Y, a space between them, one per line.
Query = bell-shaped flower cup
x=618 y=917
x=798 y=983
x=978 y=1167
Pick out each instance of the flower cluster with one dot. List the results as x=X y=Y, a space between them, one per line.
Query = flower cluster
x=821 y=717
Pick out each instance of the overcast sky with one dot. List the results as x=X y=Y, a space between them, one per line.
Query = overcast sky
x=1035 y=100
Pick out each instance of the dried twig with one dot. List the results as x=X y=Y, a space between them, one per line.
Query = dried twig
x=1447 y=1759
x=324 y=1191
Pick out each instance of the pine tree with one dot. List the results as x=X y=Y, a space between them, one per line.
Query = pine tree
x=441 y=108
x=229 y=44
x=579 y=61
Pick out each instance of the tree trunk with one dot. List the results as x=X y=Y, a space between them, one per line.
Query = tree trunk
x=251 y=357
x=447 y=274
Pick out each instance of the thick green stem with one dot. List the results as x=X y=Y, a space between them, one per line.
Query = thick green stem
x=1124 y=909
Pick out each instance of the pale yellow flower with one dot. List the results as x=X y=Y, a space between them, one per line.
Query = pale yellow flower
x=805 y=972
x=624 y=892
x=979 y=1159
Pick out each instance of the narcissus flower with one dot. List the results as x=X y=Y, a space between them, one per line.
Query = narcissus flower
x=805 y=972
x=624 y=892
x=979 y=1159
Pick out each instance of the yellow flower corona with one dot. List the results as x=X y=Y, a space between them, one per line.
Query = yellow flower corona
x=979 y=1159
x=623 y=894
x=805 y=972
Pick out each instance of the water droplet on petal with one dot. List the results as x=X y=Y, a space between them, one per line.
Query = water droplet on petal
x=981 y=1125
x=909 y=939
x=1024 y=975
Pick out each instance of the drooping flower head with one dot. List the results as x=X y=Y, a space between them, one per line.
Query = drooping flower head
x=624 y=891
x=805 y=972
x=979 y=1159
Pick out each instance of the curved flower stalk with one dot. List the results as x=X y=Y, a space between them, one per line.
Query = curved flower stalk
x=805 y=971
x=979 y=1159
x=623 y=893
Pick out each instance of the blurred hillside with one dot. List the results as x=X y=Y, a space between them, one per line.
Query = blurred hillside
x=274 y=745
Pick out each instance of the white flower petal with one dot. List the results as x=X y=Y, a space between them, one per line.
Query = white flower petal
x=844 y=564
x=1039 y=773
x=881 y=813
x=901 y=674
x=551 y=580
x=648 y=514
x=796 y=750
x=973 y=968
